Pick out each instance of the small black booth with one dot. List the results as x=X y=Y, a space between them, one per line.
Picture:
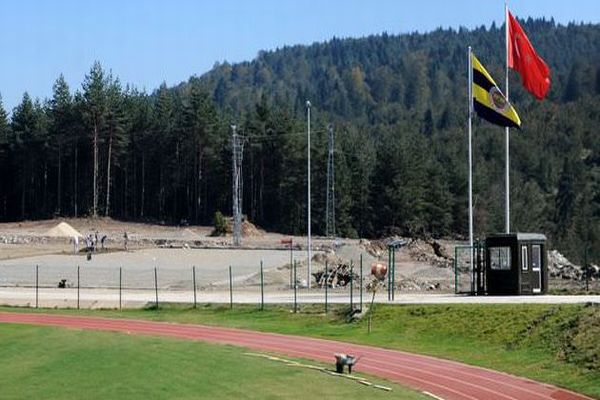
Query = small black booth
x=515 y=263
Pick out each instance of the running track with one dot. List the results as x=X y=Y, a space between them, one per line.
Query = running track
x=446 y=379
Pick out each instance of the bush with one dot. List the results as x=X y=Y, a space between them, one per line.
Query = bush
x=220 y=224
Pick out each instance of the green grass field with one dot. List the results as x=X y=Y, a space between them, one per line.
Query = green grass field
x=557 y=344
x=56 y=363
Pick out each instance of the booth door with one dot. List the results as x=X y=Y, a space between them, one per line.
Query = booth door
x=536 y=268
x=527 y=274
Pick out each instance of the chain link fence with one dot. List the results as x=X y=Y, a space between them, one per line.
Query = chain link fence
x=115 y=287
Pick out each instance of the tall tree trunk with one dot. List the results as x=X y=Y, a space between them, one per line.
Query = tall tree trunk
x=75 y=179
x=198 y=189
x=177 y=180
x=108 y=175
x=261 y=189
x=95 y=200
x=143 y=185
x=58 y=180
x=45 y=191
x=124 y=208
x=23 y=179
x=32 y=190
x=161 y=192
x=134 y=184
x=252 y=187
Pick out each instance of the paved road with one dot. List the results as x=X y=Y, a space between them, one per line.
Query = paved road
x=447 y=380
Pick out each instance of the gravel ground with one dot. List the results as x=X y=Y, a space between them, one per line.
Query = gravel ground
x=174 y=267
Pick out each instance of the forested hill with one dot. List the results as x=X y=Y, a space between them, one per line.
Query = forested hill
x=398 y=106
x=374 y=79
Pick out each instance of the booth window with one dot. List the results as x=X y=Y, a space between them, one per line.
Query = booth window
x=536 y=256
x=500 y=258
x=524 y=261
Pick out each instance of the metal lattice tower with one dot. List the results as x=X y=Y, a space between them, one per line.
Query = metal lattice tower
x=237 y=144
x=330 y=202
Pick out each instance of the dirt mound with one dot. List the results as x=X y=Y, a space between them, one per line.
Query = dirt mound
x=186 y=234
x=249 y=229
x=375 y=248
x=63 y=230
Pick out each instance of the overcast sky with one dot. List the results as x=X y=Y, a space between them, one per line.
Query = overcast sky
x=146 y=42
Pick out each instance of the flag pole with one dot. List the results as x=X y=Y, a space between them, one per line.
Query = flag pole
x=507 y=132
x=470 y=91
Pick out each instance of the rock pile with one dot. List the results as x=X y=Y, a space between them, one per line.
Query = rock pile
x=560 y=267
x=431 y=252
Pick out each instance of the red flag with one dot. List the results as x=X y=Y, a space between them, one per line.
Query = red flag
x=523 y=58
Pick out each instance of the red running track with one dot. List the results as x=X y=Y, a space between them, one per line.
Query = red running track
x=448 y=380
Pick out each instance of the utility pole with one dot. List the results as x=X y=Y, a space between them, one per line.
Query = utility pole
x=237 y=156
x=330 y=202
x=308 y=190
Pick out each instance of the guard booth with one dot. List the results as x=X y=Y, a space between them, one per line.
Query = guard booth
x=515 y=263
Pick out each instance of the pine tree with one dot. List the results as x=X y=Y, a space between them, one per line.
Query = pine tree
x=4 y=151
x=115 y=125
x=61 y=126
x=94 y=93
x=23 y=146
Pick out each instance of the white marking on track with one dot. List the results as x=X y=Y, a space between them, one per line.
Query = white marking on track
x=433 y=395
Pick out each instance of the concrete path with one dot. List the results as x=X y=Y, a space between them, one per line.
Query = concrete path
x=109 y=298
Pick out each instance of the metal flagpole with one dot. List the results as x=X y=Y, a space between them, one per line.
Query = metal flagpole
x=507 y=134
x=470 y=90
x=308 y=189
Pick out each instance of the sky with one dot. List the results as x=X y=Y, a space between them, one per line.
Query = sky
x=147 y=42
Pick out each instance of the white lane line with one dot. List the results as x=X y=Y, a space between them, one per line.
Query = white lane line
x=432 y=395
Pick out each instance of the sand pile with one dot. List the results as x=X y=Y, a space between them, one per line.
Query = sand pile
x=63 y=230
x=187 y=234
x=249 y=229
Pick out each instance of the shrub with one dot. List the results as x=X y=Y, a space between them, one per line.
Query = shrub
x=220 y=224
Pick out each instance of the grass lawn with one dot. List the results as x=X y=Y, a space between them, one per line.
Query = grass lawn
x=57 y=363
x=557 y=344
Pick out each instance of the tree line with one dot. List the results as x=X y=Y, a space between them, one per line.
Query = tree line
x=398 y=106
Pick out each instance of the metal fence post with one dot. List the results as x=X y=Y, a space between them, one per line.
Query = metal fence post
x=295 y=289
x=194 y=282
x=326 y=285
x=36 y=285
x=456 y=270
x=393 y=274
x=389 y=273
x=230 y=289
x=291 y=261
x=120 y=288
x=156 y=286
x=78 y=287
x=361 y=282
x=262 y=287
